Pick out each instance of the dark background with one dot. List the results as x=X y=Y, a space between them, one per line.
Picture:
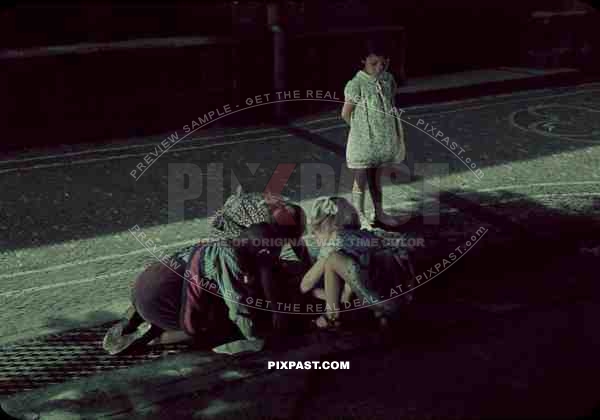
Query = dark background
x=107 y=95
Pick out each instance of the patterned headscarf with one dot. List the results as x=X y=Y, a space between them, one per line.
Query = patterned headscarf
x=242 y=210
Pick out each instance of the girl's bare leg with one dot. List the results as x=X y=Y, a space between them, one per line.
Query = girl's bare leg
x=340 y=272
x=345 y=297
x=374 y=181
x=333 y=287
x=349 y=272
x=358 y=196
x=360 y=180
x=133 y=320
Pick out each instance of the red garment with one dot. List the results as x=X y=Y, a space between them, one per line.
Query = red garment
x=194 y=300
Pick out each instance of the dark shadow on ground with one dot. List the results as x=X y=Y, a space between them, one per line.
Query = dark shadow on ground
x=530 y=252
x=72 y=323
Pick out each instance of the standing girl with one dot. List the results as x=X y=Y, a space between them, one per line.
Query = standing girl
x=376 y=137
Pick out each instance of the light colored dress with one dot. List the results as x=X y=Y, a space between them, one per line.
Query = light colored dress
x=375 y=266
x=376 y=136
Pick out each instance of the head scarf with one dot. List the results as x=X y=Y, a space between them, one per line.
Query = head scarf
x=242 y=210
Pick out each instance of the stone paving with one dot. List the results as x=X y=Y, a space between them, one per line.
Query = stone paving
x=69 y=222
x=69 y=258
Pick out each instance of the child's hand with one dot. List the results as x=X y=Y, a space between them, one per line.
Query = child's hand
x=347 y=112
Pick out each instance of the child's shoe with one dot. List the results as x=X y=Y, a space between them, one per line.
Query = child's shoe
x=116 y=342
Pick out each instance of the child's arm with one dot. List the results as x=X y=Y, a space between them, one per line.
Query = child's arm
x=312 y=277
x=352 y=97
x=347 y=111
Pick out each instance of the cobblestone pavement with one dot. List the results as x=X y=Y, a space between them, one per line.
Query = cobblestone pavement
x=516 y=308
x=68 y=257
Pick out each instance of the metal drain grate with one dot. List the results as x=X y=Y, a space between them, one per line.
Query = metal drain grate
x=62 y=357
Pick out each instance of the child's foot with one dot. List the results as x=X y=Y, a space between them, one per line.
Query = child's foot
x=365 y=222
x=326 y=323
x=131 y=320
x=240 y=346
x=115 y=341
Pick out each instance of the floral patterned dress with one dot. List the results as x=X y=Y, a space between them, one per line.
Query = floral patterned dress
x=376 y=137
x=376 y=267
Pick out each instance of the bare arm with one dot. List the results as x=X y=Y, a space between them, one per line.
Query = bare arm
x=312 y=277
x=347 y=111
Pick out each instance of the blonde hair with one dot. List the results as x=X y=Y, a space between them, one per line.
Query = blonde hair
x=333 y=213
